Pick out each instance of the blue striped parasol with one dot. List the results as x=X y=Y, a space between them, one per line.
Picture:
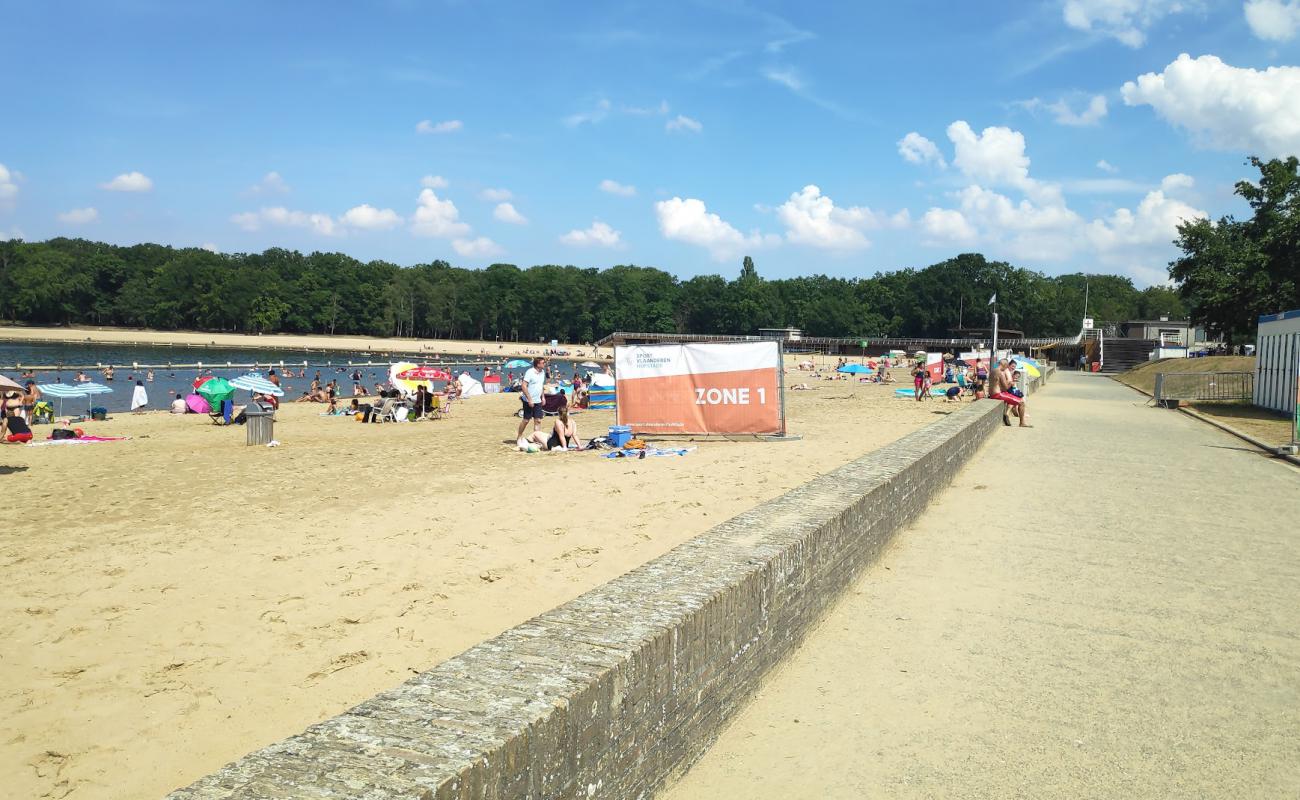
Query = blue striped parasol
x=254 y=382
x=62 y=390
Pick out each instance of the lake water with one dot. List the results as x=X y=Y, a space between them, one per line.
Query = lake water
x=167 y=381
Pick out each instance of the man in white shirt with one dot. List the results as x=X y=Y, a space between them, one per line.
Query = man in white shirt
x=530 y=395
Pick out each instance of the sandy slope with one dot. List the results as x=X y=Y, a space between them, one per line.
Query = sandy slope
x=178 y=599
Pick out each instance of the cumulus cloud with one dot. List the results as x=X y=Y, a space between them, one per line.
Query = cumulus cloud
x=479 y=247
x=1124 y=20
x=434 y=182
x=210 y=247
x=128 y=182
x=1093 y=113
x=1172 y=183
x=271 y=183
x=813 y=219
x=1223 y=106
x=281 y=217
x=79 y=216
x=446 y=126
x=917 y=149
x=996 y=155
x=1135 y=238
x=598 y=235
x=506 y=213
x=1273 y=20
x=437 y=218
x=8 y=189
x=614 y=187
x=496 y=195
x=688 y=220
x=946 y=225
x=595 y=115
x=1106 y=166
x=368 y=218
x=683 y=124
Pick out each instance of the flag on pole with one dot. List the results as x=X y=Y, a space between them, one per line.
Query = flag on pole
x=993 y=299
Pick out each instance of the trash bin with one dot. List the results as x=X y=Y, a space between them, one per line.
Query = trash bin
x=260 y=424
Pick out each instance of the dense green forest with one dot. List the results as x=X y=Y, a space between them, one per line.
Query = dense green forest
x=1230 y=271
x=71 y=281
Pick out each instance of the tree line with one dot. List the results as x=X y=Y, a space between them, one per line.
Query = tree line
x=74 y=281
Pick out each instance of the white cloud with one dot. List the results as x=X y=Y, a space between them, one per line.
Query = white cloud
x=689 y=221
x=597 y=114
x=1172 y=183
x=210 y=247
x=446 y=126
x=1226 y=107
x=434 y=182
x=1091 y=115
x=271 y=183
x=946 y=225
x=12 y=233
x=917 y=149
x=476 y=248
x=812 y=218
x=1273 y=20
x=79 y=216
x=368 y=218
x=8 y=189
x=996 y=156
x=496 y=195
x=683 y=123
x=506 y=213
x=614 y=187
x=785 y=77
x=1106 y=166
x=598 y=235
x=651 y=111
x=1125 y=20
x=1155 y=223
x=438 y=218
x=128 y=182
x=281 y=217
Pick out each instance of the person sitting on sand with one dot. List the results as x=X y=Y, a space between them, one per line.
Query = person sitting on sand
x=564 y=435
x=178 y=404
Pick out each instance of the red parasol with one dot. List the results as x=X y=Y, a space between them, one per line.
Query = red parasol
x=425 y=373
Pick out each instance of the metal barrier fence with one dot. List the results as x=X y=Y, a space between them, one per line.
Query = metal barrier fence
x=1205 y=386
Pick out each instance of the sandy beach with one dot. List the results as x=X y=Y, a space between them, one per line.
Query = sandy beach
x=350 y=344
x=178 y=599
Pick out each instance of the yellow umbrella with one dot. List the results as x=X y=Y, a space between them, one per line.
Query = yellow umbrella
x=1028 y=369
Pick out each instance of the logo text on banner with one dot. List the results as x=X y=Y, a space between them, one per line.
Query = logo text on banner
x=700 y=388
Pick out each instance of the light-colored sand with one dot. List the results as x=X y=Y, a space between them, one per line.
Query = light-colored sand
x=174 y=601
x=351 y=344
x=1120 y=633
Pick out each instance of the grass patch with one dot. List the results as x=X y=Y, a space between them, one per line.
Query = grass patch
x=1143 y=376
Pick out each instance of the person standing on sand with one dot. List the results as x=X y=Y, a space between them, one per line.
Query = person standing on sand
x=531 y=396
x=139 y=398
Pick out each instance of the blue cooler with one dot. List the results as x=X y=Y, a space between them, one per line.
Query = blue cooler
x=620 y=435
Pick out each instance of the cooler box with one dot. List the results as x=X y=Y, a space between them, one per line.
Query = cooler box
x=620 y=435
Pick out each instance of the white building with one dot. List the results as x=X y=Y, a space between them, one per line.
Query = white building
x=1277 y=361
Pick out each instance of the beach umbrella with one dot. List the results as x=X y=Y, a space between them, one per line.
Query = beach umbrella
x=216 y=391
x=854 y=369
x=202 y=379
x=197 y=404
x=1027 y=368
x=424 y=373
x=90 y=388
x=60 y=390
x=590 y=365
x=9 y=385
x=517 y=363
x=254 y=382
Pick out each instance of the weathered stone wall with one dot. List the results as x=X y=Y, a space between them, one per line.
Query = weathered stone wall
x=611 y=694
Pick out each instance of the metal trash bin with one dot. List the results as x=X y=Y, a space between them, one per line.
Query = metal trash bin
x=260 y=423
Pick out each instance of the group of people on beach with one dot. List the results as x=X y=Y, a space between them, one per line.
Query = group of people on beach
x=562 y=433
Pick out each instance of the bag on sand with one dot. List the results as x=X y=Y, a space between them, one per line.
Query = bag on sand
x=63 y=433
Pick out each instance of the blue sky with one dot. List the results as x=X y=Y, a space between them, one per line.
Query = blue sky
x=843 y=138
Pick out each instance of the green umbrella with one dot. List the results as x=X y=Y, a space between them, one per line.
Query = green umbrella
x=215 y=391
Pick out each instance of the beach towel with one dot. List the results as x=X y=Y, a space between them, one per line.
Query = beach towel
x=79 y=440
x=649 y=451
x=139 y=398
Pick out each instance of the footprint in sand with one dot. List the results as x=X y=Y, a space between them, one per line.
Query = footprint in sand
x=340 y=663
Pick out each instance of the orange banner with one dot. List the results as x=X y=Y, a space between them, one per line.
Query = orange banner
x=685 y=389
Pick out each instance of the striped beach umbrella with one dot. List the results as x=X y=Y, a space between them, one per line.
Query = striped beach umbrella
x=254 y=382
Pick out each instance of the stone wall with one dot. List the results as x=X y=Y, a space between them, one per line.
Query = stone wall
x=610 y=695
